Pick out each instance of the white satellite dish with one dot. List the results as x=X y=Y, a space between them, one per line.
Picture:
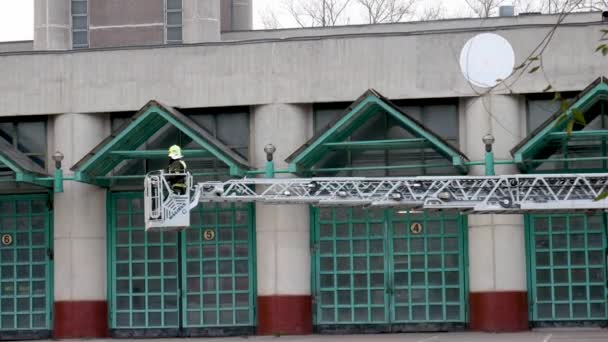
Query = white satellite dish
x=486 y=58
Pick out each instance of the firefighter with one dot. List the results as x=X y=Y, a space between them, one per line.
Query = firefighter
x=176 y=165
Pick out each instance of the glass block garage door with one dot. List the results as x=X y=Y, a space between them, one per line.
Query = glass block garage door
x=25 y=266
x=566 y=268
x=383 y=270
x=196 y=282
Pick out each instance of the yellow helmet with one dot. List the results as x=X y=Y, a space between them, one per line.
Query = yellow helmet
x=175 y=152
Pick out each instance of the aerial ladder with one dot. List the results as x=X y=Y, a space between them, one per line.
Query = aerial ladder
x=506 y=194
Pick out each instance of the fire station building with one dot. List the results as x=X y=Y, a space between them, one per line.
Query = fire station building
x=94 y=101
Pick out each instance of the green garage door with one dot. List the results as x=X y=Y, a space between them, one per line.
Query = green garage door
x=566 y=269
x=196 y=282
x=381 y=270
x=26 y=273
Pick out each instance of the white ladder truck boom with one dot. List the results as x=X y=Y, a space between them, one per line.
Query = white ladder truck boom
x=166 y=210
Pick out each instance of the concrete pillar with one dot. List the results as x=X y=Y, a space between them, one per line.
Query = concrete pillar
x=282 y=231
x=201 y=20
x=242 y=15
x=80 y=308
x=497 y=258
x=52 y=25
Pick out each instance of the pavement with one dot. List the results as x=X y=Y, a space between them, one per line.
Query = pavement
x=567 y=335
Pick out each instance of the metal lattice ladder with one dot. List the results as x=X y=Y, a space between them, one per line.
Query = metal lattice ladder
x=473 y=194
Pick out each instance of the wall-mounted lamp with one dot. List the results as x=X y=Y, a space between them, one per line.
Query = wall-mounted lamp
x=270 y=150
x=58 y=157
x=58 y=181
x=488 y=141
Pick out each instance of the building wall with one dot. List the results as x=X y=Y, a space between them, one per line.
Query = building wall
x=18 y=46
x=302 y=70
x=236 y=15
x=126 y=23
x=280 y=78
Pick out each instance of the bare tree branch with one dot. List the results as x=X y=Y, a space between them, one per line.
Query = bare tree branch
x=435 y=12
x=311 y=13
x=387 y=11
x=269 y=19
x=484 y=8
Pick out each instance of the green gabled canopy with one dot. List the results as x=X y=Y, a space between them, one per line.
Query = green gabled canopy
x=24 y=168
x=357 y=115
x=125 y=142
x=551 y=136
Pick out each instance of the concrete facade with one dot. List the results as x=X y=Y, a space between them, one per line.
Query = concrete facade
x=126 y=23
x=282 y=233
x=280 y=75
x=80 y=234
x=302 y=70
x=201 y=21
x=52 y=25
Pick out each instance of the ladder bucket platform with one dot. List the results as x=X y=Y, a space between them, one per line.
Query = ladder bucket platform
x=166 y=210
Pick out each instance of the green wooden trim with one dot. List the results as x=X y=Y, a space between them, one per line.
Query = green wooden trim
x=530 y=280
x=538 y=141
x=591 y=134
x=377 y=144
x=369 y=168
x=314 y=282
x=110 y=257
x=160 y=154
x=51 y=263
x=253 y=277
x=24 y=176
x=32 y=179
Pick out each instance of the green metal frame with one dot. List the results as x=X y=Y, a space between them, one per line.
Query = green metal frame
x=390 y=306
x=24 y=176
x=562 y=249
x=554 y=129
x=229 y=222
x=43 y=259
x=359 y=113
x=123 y=145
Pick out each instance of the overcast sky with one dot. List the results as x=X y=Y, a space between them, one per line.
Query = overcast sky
x=17 y=16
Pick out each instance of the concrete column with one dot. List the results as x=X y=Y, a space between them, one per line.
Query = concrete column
x=497 y=258
x=80 y=308
x=201 y=20
x=242 y=15
x=52 y=25
x=282 y=232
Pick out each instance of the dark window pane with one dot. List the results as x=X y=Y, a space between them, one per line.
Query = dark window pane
x=79 y=23
x=174 y=18
x=80 y=38
x=174 y=4
x=174 y=33
x=79 y=6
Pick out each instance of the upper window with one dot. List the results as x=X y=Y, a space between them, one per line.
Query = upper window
x=28 y=136
x=80 y=24
x=228 y=125
x=585 y=153
x=440 y=117
x=173 y=21
x=540 y=108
